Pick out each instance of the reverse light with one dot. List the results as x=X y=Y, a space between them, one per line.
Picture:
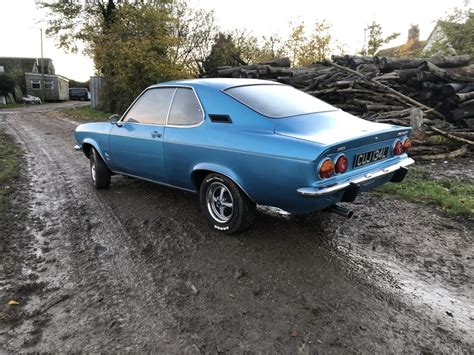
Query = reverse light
x=341 y=164
x=327 y=169
x=398 y=148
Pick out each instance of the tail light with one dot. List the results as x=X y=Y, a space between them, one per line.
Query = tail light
x=398 y=148
x=341 y=164
x=327 y=169
x=406 y=145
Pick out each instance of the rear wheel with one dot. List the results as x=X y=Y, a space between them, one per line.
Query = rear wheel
x=100 y=173
x=226 y=207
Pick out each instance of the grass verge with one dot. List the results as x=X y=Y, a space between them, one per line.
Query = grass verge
x=7 y=106
x=87 y=114
x=10 y=162
x=453 y=196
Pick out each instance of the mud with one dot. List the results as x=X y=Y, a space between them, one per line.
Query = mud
x=136 y=268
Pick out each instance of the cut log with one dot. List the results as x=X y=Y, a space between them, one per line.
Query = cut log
x=458 y=114
x=467 y=103
x=463 y=97
x=450 y=89
x=451 y=62
x=278 y=62
x=434 y=69
x=393 y=91
x=443 y=156
x=387 y=63
x=454 y=138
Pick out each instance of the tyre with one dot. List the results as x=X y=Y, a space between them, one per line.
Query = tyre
x=100 y=173
x=225 y=205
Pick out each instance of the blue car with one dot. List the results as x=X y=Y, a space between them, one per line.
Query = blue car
x=242 y=142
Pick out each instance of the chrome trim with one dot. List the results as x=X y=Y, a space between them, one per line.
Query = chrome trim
x=200 y=105
x=171 y=104
x=393 y=147
x=320 y=165
x=77 y=147
x=154 y=181
x=335 y=162
x=169 y=108
x=367 y=177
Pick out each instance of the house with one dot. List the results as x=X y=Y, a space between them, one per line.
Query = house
x=27 y=75
x=412 y=47
x=23 y=65
x=447 y=38
x=440 y=41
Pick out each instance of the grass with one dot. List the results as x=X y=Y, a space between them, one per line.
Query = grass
x=87 y=114
x=452 y=196
x=7 y=106
x=10 y=161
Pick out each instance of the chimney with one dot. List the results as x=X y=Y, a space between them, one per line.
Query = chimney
x=413 y=34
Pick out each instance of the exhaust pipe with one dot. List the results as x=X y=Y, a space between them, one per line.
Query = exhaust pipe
x=341 y=211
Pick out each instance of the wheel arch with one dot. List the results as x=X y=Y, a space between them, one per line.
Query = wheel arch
x=200 y=171
x=88 y=144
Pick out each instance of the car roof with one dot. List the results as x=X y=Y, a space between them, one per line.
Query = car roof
x=218 y=83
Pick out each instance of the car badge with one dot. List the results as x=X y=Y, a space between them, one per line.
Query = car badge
x=340 y=149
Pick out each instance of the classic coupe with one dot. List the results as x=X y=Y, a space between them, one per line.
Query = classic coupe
x=242 y=142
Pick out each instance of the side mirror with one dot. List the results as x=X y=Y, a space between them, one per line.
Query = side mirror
x=114 y=119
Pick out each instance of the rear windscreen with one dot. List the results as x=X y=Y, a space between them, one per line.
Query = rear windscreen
x=278 y=101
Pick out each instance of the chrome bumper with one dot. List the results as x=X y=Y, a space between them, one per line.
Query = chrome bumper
x=77 y=147
x=368 y=177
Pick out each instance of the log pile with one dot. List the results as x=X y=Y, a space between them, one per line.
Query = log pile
x=421 y=92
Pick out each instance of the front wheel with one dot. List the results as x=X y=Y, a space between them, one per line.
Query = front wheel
x=100 y=173
x=225 y=205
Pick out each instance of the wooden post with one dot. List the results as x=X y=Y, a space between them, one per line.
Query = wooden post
x=42 y=68
x=416 y=123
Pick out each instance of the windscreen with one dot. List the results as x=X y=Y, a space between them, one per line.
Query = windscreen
x=278 y=101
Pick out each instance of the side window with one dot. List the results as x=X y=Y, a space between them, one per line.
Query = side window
x=152 y=107
x=35 y=84
x=185 y=109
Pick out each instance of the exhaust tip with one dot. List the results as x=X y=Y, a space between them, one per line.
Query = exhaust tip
x=341 y=211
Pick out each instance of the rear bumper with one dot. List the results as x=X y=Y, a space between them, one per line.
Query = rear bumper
x=352 y=186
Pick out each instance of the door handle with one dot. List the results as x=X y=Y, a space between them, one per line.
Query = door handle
x=155 y=134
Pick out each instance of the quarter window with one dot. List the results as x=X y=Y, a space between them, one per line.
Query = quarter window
x=152 y=107
x=185 y=109
x=35 y=84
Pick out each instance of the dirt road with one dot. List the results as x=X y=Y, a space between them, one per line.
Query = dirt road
x=136 y=268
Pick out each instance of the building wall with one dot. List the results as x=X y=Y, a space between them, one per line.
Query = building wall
x=56 y=87
x=437 y=36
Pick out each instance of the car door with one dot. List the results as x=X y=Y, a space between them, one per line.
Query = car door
x=136 y=142
x=183 y=137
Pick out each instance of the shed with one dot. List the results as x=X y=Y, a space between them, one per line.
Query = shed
x=56 y=87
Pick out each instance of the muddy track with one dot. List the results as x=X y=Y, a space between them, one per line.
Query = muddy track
x=136 y=268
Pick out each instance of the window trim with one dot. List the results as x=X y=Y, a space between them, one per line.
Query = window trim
x=186 y=125
x=37 y=81
x=176 y=87
x=49 y=82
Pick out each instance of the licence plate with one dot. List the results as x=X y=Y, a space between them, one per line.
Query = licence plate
x=370 y=157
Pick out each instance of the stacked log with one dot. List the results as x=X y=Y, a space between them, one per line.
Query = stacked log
x=382 y=89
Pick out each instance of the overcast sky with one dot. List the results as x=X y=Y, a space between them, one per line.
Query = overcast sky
x=20 y=23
